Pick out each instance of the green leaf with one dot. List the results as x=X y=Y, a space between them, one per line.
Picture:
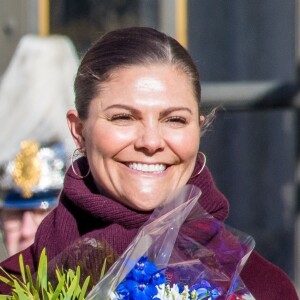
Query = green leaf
x=6 y=280
x=20 y=291
x=74 y=283
x=42 y=276
x=78 y=276
x=5 y=297
x=84 y=288
x=22 y=268
x=29 y=279
x=9 y=278
x=58 y=289
x=39 y=288
x=103 y=268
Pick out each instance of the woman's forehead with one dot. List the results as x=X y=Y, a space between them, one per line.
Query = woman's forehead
x=148 y=85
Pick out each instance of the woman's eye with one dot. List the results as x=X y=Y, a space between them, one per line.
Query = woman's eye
x=177 y=120
x=122 y=117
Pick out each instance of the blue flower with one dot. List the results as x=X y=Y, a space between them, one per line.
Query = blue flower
x=143 y=270
x=132 y=290
x=141 y=281
x=205 y=290
x=158 y=278
x=123 y=290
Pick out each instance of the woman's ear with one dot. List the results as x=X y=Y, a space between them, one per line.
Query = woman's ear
x=201 y=120
x=76 y=128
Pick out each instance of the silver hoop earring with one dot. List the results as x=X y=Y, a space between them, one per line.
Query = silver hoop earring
x=75 y=155
x=203 y=165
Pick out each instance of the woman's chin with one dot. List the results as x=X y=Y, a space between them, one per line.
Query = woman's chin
x=144 y=207
x=144 y=203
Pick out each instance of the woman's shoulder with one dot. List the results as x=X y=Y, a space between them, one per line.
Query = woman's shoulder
x=267 y=281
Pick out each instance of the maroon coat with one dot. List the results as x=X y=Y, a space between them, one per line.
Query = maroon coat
x=84 y=213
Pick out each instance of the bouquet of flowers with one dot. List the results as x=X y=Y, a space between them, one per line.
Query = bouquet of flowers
x=182 y=252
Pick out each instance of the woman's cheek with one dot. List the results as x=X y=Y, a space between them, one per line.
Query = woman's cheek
x=109 y=139
x=190 y=140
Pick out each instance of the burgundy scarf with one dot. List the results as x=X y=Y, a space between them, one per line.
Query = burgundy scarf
x=83 y=212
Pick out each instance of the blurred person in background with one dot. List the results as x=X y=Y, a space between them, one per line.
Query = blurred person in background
x=19 y=224
x=30 y=186
x=35 y=91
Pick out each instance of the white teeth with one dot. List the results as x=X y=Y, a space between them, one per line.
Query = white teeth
x=147 y=168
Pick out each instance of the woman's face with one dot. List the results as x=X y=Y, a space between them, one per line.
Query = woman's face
x=142 y=134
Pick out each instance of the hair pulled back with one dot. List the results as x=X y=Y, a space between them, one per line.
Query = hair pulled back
x=128 y=47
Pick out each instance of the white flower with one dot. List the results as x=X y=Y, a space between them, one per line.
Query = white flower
x=165 y=292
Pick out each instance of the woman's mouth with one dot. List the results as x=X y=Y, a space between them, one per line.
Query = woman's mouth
x=147 y=167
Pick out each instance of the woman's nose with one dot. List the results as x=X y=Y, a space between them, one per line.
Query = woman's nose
x=28 y=226
x=150 y=139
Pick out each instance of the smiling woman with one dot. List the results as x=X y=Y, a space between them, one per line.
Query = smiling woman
x=137 y=124
x=140 y=142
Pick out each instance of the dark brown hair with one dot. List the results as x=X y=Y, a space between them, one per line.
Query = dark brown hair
x=127 y=47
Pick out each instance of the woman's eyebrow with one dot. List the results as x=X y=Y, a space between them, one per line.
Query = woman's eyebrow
x=165 y=112
x=175 y=109
x=123 y=106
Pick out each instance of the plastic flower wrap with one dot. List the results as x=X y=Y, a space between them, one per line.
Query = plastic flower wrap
x=93 y=257
x=182 y=252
